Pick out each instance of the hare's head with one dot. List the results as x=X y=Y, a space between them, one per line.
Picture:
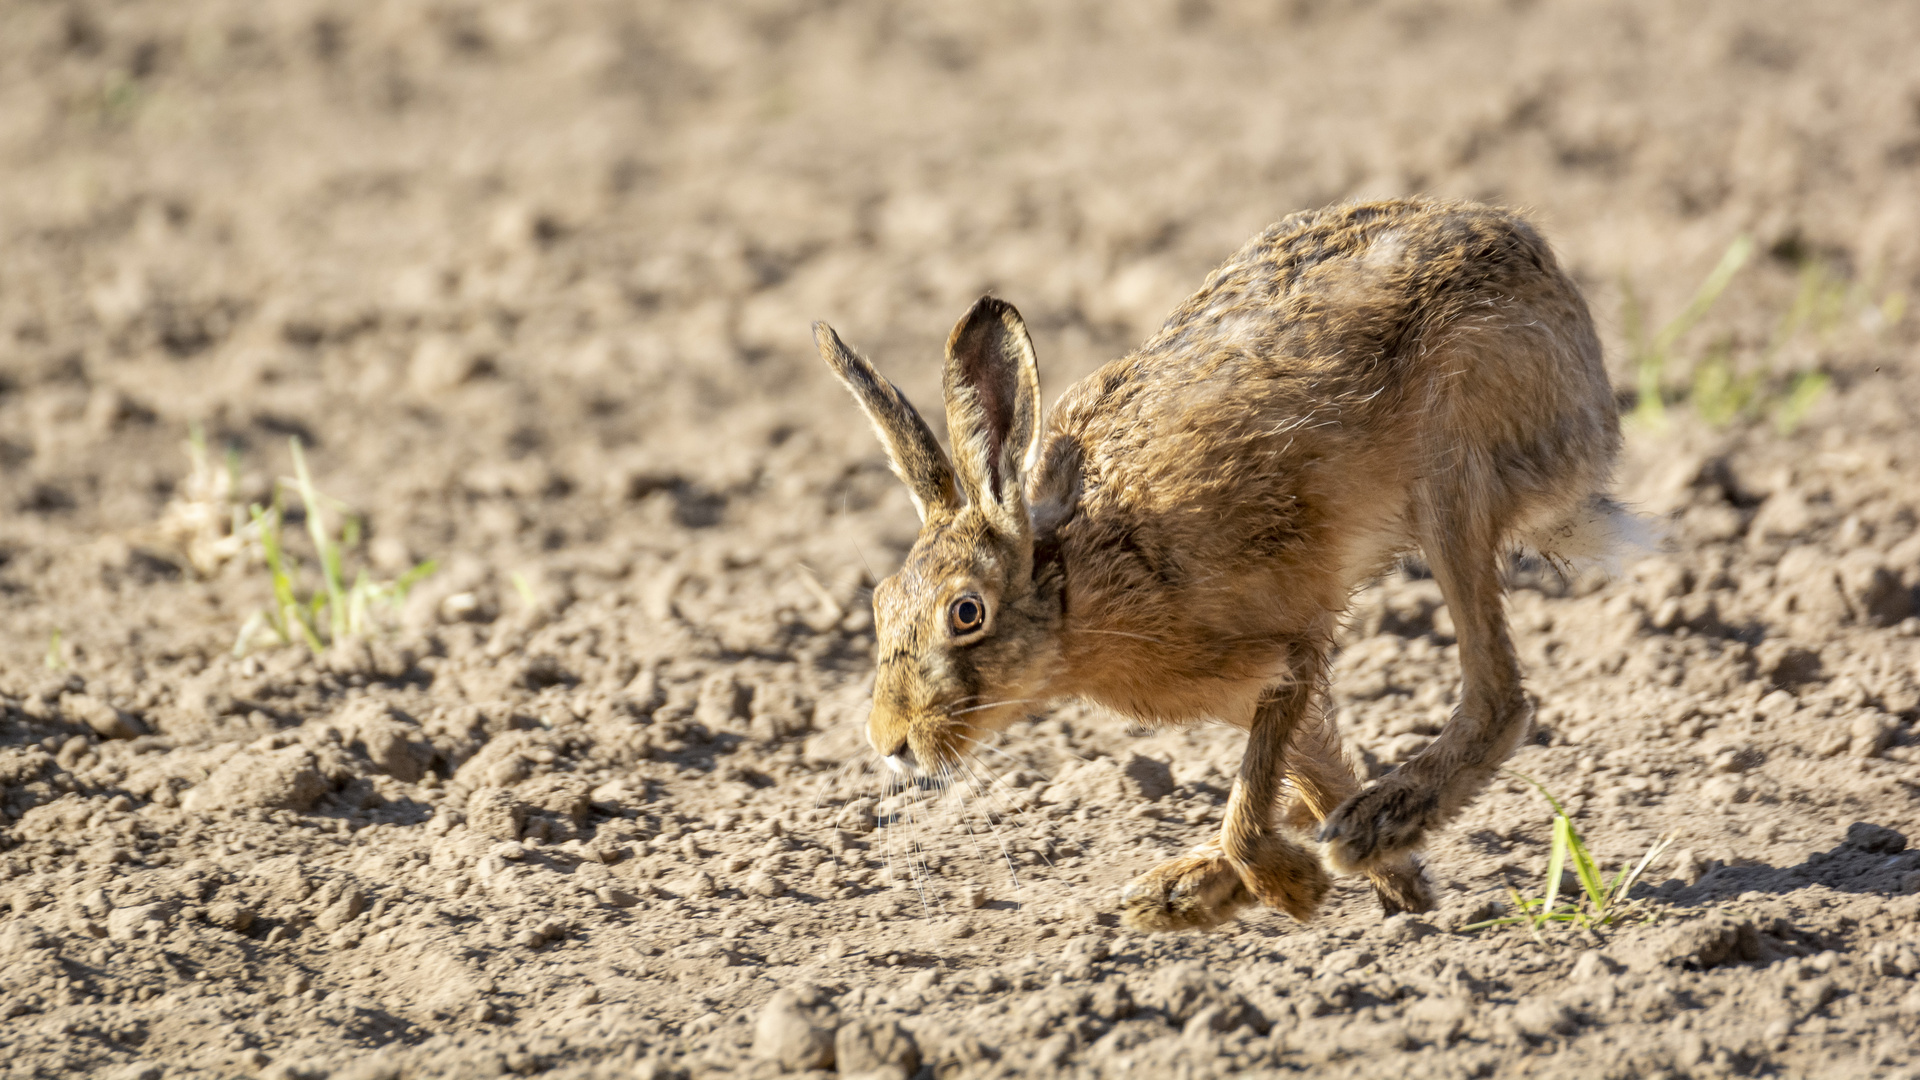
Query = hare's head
x=967 y=630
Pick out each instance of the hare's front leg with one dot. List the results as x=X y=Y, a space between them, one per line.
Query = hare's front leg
x=1197 y=891
x=1251 y=860
x=1322 y=780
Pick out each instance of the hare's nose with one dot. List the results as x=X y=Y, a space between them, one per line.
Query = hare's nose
x=901 y=760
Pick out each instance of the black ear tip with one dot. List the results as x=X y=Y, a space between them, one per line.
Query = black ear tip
x=990 y=306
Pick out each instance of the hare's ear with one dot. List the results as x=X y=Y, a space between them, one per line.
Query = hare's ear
x=911 y=448
x=993 y=407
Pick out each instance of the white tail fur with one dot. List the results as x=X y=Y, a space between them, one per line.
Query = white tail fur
x=1596 y=533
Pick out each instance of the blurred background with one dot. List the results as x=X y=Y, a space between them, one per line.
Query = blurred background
x=523 y=273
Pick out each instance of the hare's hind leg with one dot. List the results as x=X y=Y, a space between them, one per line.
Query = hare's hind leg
x=1322 y=780
x=1392 y=816
x=1252 y=859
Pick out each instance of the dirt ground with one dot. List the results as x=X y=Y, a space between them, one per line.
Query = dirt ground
x=531 y=282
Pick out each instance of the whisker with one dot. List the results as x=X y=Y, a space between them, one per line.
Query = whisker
x=833 y=779
x=1044 y=826
x=1118 y=633
x=1013 y=869
x=991 y=705
x=989 y=746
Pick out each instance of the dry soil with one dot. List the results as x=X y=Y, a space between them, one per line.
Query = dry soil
x=531 y=283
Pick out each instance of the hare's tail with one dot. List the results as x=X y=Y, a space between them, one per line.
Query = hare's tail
x=1597 y=532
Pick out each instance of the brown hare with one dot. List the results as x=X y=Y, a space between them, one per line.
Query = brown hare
x=1177 y=538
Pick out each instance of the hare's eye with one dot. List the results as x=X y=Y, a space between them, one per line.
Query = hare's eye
x=967 y=614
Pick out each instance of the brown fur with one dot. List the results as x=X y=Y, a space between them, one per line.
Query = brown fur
x=1178 y=537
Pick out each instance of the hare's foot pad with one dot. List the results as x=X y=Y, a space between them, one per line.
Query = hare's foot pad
x=1197 y=891
x=1377 y=826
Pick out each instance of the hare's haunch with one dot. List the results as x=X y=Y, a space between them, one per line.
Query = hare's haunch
x=1178 y=537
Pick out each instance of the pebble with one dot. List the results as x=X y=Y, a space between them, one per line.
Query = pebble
x=1341 y=961
x=128 y=923
x=765 y=885
x=796 y=1028
x=1593 y=965
x=229 y=916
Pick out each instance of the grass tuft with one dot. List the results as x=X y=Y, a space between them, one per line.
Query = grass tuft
x=1651 y=355
x=337 y=610
x=1719 y=389
x=1604 y=903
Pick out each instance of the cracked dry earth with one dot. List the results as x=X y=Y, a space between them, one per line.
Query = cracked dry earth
x=532 y=282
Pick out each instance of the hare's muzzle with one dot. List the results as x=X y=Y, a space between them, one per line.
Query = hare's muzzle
x=887 y=734
x=901 y=760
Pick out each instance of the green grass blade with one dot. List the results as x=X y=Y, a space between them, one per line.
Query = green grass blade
x=1505 y=920
x=267 y=526
x=1557 y=861
x=405 y=583
x=1704 y=298
x=323 y=543
x=1584 y=866
x=359 y=598
x=1544 y=793
x=1806 y=392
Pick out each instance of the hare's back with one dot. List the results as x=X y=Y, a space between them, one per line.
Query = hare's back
x=1349 y=316
x=1361 y=286
x=1355 y=342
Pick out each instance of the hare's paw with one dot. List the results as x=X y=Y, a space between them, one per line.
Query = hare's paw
x=1400 y=885
x=1197 y=891
x=1376 y=826
x=1282 y=874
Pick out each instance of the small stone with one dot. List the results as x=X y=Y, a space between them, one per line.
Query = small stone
x=587 y=996
x=283 y=779
x=532 y=937
x=1341 y=961
x=345 y=909
x=1709 y=943
x=765 y=885
x=869 y=1047
x=131 y=923
x=607 y=894
x=296 y=984
x=495 y=812
x=1866 y=836
x=1871 y=732
x=1593 y=965
x=228 y=915
x=699 y=884
x=105 y=720
x=796 y=1029
x=973 y=897
x=1540 y=1018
